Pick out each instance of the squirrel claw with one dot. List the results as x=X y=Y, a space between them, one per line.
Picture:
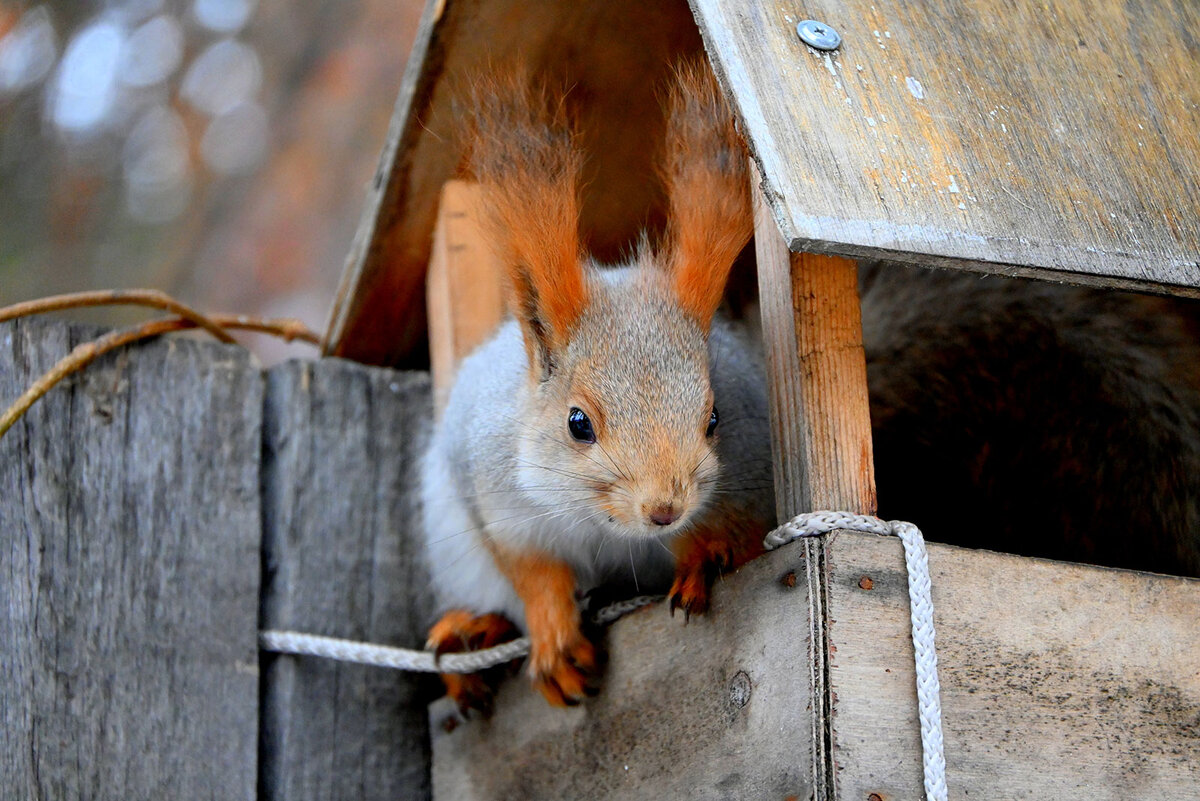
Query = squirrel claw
x=565 y=676
x=457 y=631
x=691 y=593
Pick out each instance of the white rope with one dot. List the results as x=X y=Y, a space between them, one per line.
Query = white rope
x=363 y=653
x=812 y=524
x=920 y=600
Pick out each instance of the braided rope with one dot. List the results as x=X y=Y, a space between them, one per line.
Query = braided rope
x=363 y=653
x=812 y=524
x=920 y=600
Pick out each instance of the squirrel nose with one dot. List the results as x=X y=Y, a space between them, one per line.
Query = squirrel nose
x=664 y=515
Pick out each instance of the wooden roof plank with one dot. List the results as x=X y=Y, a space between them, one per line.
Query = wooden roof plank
x=1052 y=141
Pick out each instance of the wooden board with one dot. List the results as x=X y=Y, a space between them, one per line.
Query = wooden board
x=1058 y=680
x=1056 y=141
x=817 y=372
x=129 y=572
x=720 y=708
x=613 y=55
x=343 y=558
x=464 y=291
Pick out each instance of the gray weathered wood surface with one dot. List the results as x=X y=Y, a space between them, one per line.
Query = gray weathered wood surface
x=1058 y=680
x=129 y=577
x=702 y=711
x=1051 y=140
x=138 y=496
x=343 y=559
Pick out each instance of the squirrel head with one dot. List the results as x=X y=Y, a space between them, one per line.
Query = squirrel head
x=619 y=413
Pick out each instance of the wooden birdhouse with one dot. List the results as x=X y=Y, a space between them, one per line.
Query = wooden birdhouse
x=172 y=506
x=1056 y=142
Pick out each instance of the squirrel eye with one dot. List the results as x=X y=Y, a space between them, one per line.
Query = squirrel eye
x=580 y=426
x=712 y=422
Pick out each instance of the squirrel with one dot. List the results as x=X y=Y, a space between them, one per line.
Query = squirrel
x=615 y=431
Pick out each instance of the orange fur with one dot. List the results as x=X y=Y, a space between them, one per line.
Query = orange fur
x=708 y=186
x=523 y=154
x=459 y=630
x=703 y=554
x=561 y=659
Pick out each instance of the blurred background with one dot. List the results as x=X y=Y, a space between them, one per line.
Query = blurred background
x=216 y=149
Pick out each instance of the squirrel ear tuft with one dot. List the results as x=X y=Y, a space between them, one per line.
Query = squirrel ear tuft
x=707 y=182
x=523 y=154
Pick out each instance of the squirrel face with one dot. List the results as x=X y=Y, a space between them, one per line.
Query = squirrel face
x=618 y=411
x=624 y=421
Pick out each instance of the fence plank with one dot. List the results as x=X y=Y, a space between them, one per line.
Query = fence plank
x=342 y=443
x=129 y=572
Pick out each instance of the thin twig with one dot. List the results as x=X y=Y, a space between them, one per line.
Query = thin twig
x=87 y=352
x=151 y=298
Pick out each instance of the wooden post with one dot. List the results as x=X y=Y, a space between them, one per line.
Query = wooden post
x=464 y=292
x=129 y=574
x=820 y=424
x=343 y=556
x=817 y=375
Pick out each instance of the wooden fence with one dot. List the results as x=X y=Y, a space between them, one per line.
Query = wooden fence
x=155 y=511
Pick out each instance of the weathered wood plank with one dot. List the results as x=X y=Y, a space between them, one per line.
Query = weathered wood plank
x=464 y=294
x=357 y=327
x=343 y=558
x=129 y=572
x=720 y=708
x=1057 y=679
x=817 y=372
x=1052 y=141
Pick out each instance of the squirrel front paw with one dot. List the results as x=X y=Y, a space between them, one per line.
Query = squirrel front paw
x=701 y=556
x=459 y=630
x=564 y=672
x=692 y=588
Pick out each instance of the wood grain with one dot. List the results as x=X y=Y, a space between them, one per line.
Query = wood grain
x=129 y=572
x=343 y=558
x=1058 y=680
x=613 y=56
x=1055 y=141
x=817 y=376
x=464 y=290
x=720 y=708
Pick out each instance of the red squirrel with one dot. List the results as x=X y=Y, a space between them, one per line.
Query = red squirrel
x=615 y=430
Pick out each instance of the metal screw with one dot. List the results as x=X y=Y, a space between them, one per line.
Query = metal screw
x=818 y=35
x=866 y=583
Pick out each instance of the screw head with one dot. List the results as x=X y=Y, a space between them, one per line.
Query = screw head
x=818 y=35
